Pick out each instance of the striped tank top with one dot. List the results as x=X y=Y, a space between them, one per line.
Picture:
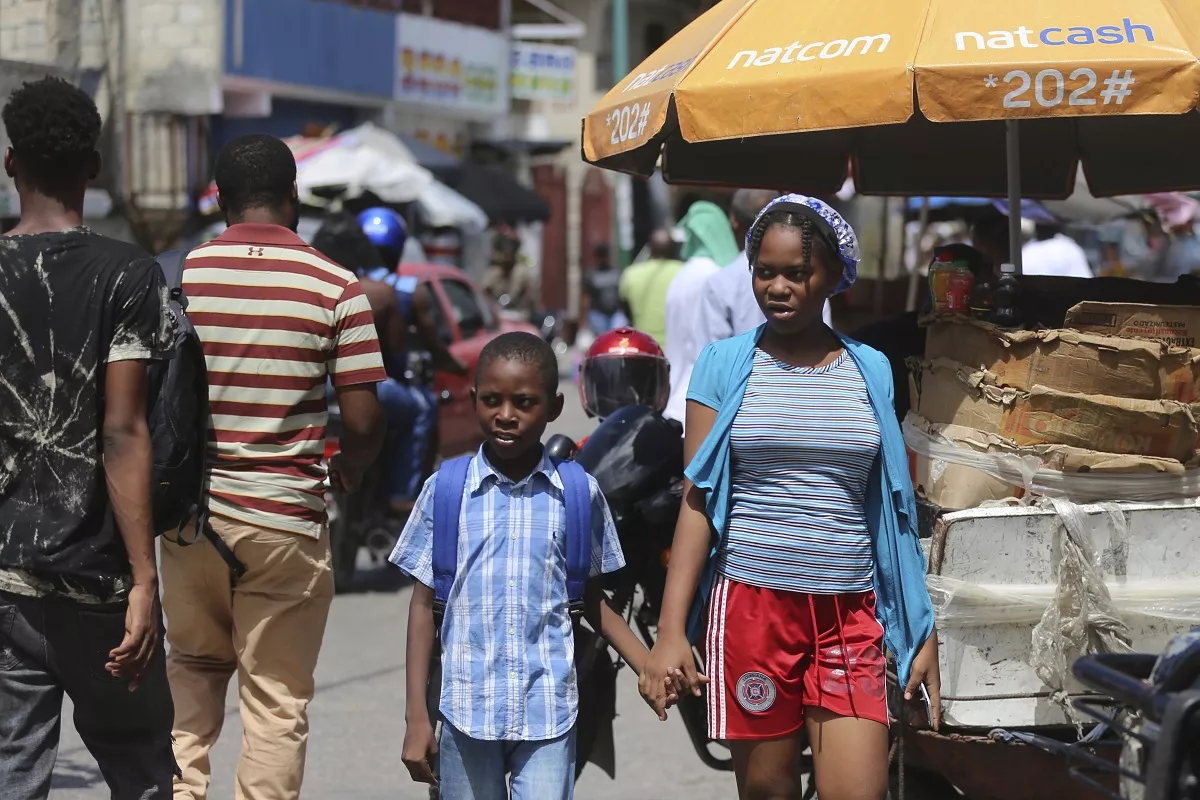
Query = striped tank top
x=804 y=442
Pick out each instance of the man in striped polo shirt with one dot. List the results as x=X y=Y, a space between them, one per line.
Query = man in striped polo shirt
x=277 y=319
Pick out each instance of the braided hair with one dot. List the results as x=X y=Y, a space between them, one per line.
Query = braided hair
x=785 y=219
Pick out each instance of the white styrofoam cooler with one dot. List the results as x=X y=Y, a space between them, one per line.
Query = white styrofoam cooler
x=994 y=548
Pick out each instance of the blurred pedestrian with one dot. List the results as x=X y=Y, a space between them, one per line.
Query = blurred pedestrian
x=509 y=280
x=79 y=609
x=708 y=245
x=989 y=236
x=602 y=304
x=408 y=395
x=1181 y=254
x=277 y=320
x=1052 y=252
x=644 y=286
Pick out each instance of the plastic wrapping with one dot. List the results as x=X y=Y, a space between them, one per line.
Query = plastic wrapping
x=957 y=602
x=1028 y=472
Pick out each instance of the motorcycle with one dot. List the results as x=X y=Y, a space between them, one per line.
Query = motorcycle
x=356 y=519
x=1148 y=708
x=636 y=457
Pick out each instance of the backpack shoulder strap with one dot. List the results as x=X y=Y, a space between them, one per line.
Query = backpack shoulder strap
x=171 y=263
x=447 y=506
x=577 y=496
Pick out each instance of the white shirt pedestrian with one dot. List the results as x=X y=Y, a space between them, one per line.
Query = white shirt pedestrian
x=1059 y=255
x=684 y=337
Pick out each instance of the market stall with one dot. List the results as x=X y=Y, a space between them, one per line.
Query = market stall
x=1035 y=409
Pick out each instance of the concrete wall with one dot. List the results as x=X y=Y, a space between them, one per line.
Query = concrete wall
x=174 y=55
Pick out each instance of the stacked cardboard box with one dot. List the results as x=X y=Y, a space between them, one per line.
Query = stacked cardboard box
x=1110 y=400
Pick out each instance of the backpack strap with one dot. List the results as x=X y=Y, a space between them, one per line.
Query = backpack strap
x=171 y=263
x=577 y=497
x=447 y=507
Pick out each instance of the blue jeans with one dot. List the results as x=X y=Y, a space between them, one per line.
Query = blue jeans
x=599 y=322
x=472 y=769
x=411 y=414
x=51 y=647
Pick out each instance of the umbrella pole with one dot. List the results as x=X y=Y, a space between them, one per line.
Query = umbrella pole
x=914 y=277
x=1013 y=153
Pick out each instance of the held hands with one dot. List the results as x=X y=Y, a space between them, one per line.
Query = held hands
x=668 y=673
x=926 y=670
x=420 y=748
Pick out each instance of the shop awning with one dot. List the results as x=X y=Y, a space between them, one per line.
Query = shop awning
x=501 y=197
x=445 y=167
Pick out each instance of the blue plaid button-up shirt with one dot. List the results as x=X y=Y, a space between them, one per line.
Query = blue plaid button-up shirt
x=508 y=655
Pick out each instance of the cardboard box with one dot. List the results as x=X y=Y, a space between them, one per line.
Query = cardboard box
x=951 y=485
x=955 y=486
x=953 y=394
x=1068 y=361
x=1178 y=326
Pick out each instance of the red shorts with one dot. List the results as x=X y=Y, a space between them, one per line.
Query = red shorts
x=771 y=653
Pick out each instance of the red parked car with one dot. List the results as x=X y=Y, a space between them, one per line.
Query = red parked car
x=468 y=319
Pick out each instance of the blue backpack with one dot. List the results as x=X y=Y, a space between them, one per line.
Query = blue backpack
x=447 y=506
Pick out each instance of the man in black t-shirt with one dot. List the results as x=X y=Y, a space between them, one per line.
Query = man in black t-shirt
x=602 y=305
x=80 y=315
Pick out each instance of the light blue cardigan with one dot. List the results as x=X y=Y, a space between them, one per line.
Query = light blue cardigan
x=902 y=601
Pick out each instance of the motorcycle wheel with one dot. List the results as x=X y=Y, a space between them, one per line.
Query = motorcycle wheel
x=343 y=545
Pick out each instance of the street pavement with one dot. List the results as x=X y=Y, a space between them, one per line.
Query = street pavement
x=357 y=716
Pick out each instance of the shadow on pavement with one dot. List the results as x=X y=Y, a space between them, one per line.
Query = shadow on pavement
x=383 y=578
x=71 y=775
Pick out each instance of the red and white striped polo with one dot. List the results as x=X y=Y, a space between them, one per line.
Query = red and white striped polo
x=276 y=319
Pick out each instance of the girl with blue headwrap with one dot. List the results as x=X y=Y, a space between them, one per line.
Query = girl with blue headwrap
x=798 y=530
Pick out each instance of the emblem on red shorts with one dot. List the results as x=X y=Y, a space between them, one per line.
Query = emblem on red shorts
x=755 y=692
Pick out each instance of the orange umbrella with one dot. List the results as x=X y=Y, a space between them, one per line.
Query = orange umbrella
x=780 y=94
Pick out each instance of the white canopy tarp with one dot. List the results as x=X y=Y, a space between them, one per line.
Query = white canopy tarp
x=371 y=159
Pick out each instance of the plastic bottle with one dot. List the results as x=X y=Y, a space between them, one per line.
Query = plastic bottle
x=939 y=278
x=958 y=289
x=983 y=298
x=1007 y=313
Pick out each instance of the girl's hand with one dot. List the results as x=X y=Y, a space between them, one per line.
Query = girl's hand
x=926 y=670
x=672 y=695
x=668 y=673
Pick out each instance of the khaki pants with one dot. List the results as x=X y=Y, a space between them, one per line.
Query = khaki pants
x=269 y=629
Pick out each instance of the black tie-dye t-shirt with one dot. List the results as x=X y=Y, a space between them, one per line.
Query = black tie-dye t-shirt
x=70 y=303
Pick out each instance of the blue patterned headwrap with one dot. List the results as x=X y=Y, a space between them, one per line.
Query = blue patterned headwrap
x=830 y=225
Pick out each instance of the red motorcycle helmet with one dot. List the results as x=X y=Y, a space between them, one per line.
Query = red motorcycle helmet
x=623 y=367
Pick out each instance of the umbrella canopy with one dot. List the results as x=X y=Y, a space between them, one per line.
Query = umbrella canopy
x=502 y=198
x=760 y=93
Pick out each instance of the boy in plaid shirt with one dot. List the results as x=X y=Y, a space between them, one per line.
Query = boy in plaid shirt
x=509 y=694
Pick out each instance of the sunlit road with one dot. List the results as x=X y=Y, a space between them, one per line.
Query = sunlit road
x=358 y=715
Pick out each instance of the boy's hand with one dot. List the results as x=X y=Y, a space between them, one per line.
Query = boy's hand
x=420 y=746
x=673 y=687
x=670 y=667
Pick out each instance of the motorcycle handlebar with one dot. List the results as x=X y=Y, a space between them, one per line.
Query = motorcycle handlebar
x=1122 y=677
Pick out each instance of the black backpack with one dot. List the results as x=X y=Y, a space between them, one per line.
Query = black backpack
x=179 y=418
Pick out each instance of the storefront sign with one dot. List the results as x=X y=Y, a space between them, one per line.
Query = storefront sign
x=543 y=72
x=455 y=67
